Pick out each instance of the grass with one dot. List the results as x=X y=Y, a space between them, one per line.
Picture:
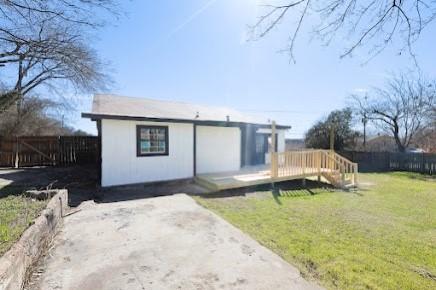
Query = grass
x=16 y=214
x=382 y=236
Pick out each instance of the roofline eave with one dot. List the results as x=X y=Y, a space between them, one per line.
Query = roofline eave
x=95 y=117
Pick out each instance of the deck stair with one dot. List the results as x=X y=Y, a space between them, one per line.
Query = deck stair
x=339 y=171
x=335 y=179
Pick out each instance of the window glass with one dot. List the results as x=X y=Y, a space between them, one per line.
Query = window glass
x=152 y=140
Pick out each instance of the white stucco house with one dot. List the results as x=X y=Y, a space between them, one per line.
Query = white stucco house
x=146 y=140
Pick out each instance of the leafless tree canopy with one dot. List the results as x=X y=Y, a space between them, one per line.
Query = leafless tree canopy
x=403 y=108
x=373 y=22
x=21 y=12
x=35 y=119
x=48 y=43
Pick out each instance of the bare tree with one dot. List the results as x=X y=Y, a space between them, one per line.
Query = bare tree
x=378 y=22
x=48 y=43
x=38 y=116
x=83 y=12
x=403 y=108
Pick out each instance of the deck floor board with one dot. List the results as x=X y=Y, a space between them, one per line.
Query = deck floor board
x=252 y=175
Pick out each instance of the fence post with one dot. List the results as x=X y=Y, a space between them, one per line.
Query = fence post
x=17 y=156
x=423 y=162
x=389 y=161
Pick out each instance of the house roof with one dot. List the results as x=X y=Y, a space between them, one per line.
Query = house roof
x=106 y=106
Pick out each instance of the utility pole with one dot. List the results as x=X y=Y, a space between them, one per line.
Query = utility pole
x=364 y=121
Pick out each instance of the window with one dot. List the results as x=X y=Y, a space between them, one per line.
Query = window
x=151 y=140
x=260 y=143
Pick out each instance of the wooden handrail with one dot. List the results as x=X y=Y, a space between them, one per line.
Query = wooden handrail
x=312 y=162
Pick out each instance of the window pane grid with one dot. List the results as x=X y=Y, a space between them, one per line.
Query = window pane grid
x=152 y=140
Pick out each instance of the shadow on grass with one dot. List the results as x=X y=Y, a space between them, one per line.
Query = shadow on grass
x=292 y=188
x=14 y=190
x=276 y=194
x=415 y=175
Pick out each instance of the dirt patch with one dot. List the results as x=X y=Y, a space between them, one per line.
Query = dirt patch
x=190 y=220
x=425 y=273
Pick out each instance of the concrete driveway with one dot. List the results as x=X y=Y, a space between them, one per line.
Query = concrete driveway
x=165 y=242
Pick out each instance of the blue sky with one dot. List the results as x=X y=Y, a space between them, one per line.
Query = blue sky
x=197 y=51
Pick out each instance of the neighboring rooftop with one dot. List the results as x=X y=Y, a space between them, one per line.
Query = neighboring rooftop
x=112 y=106
x=295 y=144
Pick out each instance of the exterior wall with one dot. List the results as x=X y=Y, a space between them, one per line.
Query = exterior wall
x=120 y=165
x=281 y=144
x=249 y=133
x=218 y=149
x=248 y=145
x=281 y=141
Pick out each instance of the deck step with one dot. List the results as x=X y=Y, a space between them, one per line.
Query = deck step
x=206 y=184
x=336 y=180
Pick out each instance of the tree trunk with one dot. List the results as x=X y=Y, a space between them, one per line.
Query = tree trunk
x=400 y=145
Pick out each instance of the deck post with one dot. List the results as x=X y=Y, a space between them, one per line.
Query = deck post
x=356 y=171
x=273 y=136
x=273 y=154
x=332 y=138
x=332 y=147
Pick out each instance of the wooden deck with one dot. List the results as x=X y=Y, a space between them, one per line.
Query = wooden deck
x=286 y=166
x=247 y=176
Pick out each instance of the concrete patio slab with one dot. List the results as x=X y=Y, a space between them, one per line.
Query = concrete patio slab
x=165 y=242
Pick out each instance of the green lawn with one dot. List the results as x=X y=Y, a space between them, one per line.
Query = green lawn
x=16 y=214
x=382 y=236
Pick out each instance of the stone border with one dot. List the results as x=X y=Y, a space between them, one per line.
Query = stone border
x=16 y=263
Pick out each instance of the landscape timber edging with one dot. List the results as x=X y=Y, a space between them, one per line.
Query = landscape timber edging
x=16 y=263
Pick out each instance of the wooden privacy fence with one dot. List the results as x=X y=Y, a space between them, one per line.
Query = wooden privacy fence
x=388 y=161
x=48 y=150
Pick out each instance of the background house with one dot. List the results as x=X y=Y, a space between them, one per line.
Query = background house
x=423 y=143
x=383 y=143
x=145 y=140
x=295 y=144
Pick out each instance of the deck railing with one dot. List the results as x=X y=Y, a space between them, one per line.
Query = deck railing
x=335 y=168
